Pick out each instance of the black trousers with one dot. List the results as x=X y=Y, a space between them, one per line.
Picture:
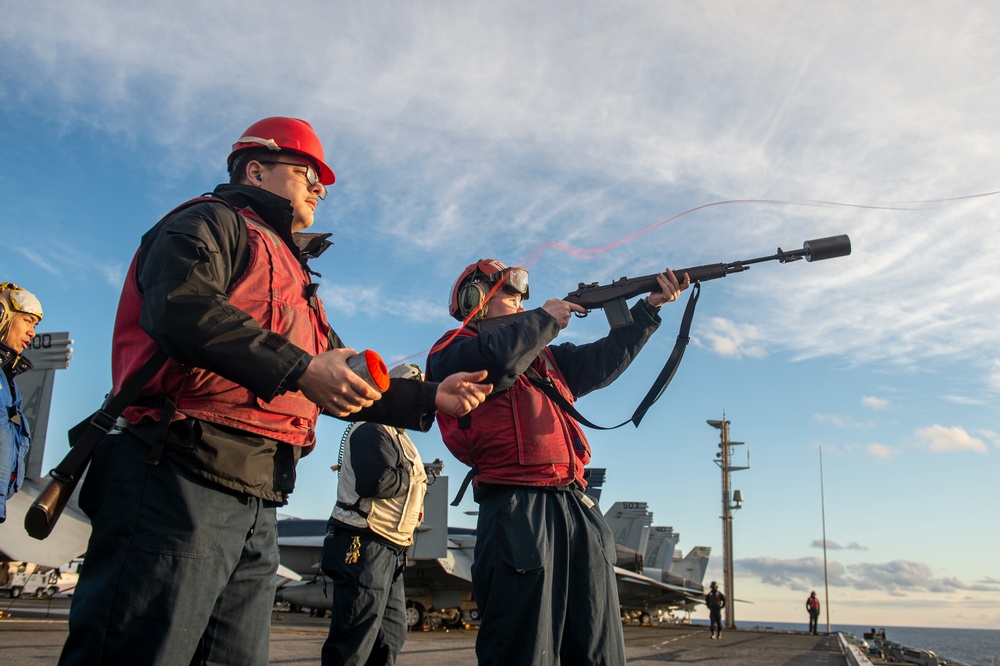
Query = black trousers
x=544 y=580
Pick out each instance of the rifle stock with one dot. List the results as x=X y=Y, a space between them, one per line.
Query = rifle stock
x=48 y=506
x=46 y=509
x=83 y=438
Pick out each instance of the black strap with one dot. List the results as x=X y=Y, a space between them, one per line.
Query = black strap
x=356 y=508
x=85 y=436
x=465 y=485
x=655 y=391
x=167 y=409
x=670 y=368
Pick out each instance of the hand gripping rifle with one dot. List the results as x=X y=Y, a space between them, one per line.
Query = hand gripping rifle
x=612 y=298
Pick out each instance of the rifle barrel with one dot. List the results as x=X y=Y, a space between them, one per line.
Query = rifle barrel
x=593 y=296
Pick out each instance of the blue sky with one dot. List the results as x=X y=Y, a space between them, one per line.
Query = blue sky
x=461 y=130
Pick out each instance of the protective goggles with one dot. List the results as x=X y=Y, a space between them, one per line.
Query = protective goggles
x=513 y=280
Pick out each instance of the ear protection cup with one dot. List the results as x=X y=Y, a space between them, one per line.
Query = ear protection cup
x=470 y=297
x=469 y=291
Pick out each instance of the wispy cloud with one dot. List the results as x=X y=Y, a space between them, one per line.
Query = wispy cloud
x=898 y=577
x=940 y=439
x=61 y=260
x=965 y=399
x=833 y=545
x=794 y=574
x=36 y=258
x=355 y=300
x=462 y=119
x=990 y=436
x=352 y=300
x=881 y=451
x=994 y=373
x=839 y=420
x=878 y=404
x=727 y=338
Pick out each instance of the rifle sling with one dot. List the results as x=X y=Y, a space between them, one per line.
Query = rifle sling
x=670 y=368
x=655 y=391
x=85 y=436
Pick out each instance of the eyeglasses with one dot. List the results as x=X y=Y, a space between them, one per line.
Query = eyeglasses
x=310 y=175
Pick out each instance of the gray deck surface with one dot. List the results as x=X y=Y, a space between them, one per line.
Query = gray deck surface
x=35 y=632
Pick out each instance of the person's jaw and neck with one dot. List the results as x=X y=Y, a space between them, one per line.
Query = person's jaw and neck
x=288 y=180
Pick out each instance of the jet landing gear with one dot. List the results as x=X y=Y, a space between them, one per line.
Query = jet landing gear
x=452 y=618
x=415 y=614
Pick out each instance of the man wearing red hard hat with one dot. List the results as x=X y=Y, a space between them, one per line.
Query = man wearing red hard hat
x=182 y=493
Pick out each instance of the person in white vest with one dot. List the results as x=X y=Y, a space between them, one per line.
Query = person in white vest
x=380 y=502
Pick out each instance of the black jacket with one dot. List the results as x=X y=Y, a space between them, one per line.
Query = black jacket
x=184 y=268
x=507 y=351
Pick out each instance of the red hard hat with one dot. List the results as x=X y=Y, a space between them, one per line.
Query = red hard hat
x=280 y=133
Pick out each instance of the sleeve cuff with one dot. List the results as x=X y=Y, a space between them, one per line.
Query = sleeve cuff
x=291 y=380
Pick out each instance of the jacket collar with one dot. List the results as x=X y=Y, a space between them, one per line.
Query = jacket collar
x=13 y=364
x=276 y=212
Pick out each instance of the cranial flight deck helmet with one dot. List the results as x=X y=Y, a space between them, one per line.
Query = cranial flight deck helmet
x=279 y=134
x=472 y=286
x=407 y=371
x=14 y=301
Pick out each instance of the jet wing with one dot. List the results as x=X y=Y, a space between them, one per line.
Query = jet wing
x=638 y=592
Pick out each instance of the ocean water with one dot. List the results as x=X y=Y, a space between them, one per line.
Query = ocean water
x=970 y=647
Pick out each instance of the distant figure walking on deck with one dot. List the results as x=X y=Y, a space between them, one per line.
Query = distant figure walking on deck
x=715 y=601
x=812 y=605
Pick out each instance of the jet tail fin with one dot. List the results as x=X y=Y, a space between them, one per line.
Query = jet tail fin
x=693 y=565
x=628 y=522
x=660 y=547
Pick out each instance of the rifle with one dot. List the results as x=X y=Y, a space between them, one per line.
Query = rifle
x=612 y=298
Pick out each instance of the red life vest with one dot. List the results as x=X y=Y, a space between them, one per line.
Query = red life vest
x=519 y=436
x=272 y=291
x=812 y=603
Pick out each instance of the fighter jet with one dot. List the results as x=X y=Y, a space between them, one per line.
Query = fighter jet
x=438 y=577
x=647 y=588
